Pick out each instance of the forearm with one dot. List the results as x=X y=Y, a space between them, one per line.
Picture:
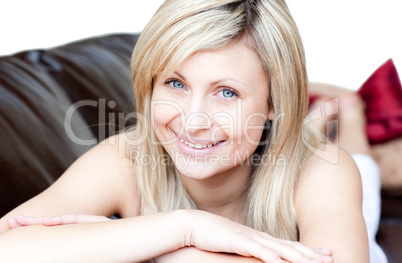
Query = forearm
x=195 y=255
x=192 y=254
x=141 y=238
x=127 y=240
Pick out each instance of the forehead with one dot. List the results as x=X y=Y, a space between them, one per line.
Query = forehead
x=236 y=60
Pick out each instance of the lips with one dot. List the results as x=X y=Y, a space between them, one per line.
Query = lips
x=198 y=149
x=199 y=146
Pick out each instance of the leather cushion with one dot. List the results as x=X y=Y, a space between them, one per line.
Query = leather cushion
x=35 y=148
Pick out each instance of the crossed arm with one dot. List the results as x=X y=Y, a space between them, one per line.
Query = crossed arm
x=165 y=236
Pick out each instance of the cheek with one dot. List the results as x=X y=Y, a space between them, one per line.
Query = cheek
x=245 y=124
x=247 y=136
x=252 y=127
x=164 y=114
x=164 y=107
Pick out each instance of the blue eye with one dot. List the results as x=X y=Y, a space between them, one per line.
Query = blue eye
x=228 y=93
x=175 y=84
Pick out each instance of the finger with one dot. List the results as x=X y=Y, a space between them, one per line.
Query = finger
x=322 y=255
x=307 y=250
x=294 y=251
x=28 y=220
x=325 y=255
x=52 y=221
x=262 y=252
x=46 y=220
x=63 y=219
x=72 y=219
x=12 y=223
x=289 y=253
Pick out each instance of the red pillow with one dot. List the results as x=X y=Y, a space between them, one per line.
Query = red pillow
x=382 y=93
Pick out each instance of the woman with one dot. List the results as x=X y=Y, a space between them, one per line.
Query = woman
x=217 y=161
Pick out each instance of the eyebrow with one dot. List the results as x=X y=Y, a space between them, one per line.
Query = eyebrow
x=214 y=82
x=180 y=75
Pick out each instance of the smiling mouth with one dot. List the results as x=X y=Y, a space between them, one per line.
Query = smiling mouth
x=199 y=146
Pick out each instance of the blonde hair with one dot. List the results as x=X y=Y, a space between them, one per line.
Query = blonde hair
x=181 y=27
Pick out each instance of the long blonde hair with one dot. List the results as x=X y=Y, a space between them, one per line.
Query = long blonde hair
x=181 y=27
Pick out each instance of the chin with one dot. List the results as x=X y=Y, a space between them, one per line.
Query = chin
x=196 y=170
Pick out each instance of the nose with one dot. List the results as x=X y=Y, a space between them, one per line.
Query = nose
x=197 y=119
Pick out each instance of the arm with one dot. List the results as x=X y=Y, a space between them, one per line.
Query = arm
x=185 y=254
x=328 y=204
x=127 y=240
x=194 y=255
x=133 y=240
x=102 y=183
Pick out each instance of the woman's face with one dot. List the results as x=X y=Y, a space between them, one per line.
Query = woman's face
x=210 y=113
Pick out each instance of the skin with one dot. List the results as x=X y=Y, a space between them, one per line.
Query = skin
x=327 y=198
x=204 y=79
x=351 y=119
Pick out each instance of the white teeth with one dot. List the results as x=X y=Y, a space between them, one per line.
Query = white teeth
x=198 y=146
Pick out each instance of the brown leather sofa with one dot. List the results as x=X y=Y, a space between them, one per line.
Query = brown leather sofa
x=38 y=89
x=88 y=81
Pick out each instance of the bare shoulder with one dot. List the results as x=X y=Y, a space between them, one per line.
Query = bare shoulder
x=328 y=203
x=110 y=165
x=329 y=165
x=100 y=182
x=104 y=177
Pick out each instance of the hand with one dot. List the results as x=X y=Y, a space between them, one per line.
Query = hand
x=195 y=255
x=22 y=220
x=217 y=234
